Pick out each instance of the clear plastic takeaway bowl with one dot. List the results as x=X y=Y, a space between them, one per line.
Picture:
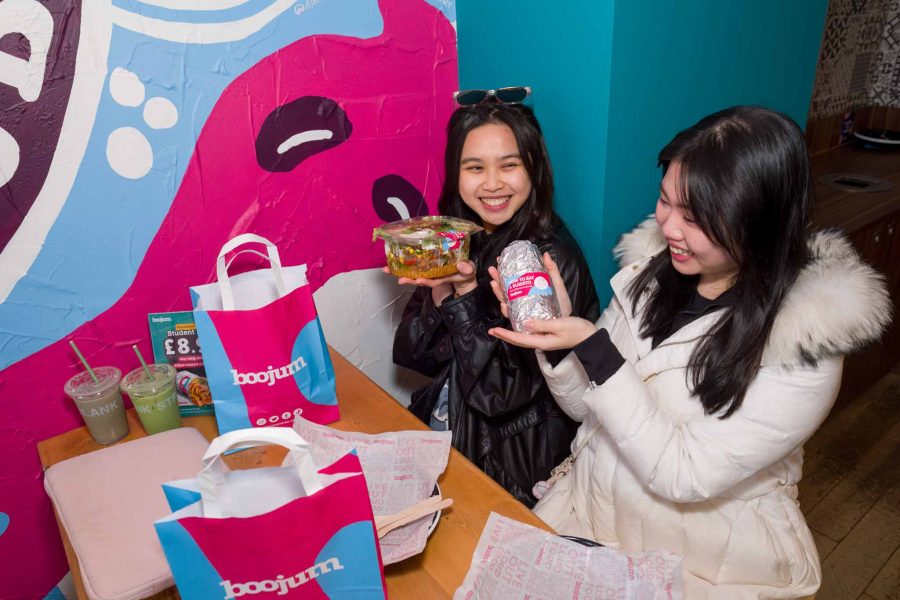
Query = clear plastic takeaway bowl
x=426 y=247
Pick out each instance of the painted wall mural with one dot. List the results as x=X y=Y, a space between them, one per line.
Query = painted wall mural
x=136 y=137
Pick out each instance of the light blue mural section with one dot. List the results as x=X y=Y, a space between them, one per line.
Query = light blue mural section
x=243 y=10
x=76 y=276
x=448 y=7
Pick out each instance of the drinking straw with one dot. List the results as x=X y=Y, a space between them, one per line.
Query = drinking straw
x=143 y=362
x=84 y=361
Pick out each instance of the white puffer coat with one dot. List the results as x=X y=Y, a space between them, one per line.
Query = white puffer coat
x=655 y=472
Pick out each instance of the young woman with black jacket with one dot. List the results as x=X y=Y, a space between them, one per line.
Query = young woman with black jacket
x=492 y=395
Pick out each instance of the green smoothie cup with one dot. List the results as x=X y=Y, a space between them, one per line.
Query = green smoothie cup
x=100 y=403
x=154 y=397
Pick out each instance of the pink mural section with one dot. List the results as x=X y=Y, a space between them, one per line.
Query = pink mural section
x=312 y=147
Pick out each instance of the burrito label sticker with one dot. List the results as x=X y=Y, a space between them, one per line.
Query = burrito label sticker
x=529 y=284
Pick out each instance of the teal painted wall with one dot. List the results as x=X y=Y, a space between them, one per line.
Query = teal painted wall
x=562 y=50
x=615 y=80
x=676 y=62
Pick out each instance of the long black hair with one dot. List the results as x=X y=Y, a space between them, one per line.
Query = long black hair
x=535 y=220
x=745 y=180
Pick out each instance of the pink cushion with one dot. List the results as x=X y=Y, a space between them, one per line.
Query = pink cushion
x=107 y=502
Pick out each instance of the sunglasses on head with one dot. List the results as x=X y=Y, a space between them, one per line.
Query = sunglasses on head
x=507 y=95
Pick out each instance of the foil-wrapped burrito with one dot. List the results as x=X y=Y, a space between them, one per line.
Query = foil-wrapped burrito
x=526 y=285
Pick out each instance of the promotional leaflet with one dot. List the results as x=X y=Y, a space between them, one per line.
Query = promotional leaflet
x=174 y=339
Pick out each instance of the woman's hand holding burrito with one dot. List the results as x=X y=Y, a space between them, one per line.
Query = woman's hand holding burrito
x=555 y=334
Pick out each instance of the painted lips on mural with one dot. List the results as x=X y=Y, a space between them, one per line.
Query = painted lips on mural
x=313 y=145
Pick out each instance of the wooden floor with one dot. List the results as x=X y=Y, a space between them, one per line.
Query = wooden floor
x=850 y=494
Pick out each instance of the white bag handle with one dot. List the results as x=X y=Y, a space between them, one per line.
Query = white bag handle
x=214 y=469
x=222 y=268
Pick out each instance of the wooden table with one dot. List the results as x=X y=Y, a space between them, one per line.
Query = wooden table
x=365 y=407
x=851 y=210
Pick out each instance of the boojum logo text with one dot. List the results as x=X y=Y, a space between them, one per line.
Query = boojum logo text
x=281 y=584
x=270 y=375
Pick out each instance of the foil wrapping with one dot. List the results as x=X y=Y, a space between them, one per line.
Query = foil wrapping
x=526 y=285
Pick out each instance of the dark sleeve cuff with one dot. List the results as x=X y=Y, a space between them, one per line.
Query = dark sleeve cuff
x=599 y=357
x=430 y=314
x=458 y=312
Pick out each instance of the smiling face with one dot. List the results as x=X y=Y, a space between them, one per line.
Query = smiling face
x=492 y=178
x=691 y=250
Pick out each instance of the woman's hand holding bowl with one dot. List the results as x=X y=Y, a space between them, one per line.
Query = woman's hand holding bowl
x=462 y=282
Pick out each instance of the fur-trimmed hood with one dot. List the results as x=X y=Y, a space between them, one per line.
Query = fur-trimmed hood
x=837 y=305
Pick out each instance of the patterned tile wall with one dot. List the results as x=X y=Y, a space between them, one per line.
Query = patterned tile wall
x=884 y=87
x=859 y=63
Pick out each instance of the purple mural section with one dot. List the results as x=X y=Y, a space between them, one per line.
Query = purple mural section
x=312 y=147
x=34 y=102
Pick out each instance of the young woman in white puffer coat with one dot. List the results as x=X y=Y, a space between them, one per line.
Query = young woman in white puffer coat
x=718 y=357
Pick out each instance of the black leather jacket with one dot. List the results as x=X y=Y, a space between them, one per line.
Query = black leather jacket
x=502 y=415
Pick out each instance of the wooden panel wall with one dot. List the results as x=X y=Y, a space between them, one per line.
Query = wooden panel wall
x=824 y=134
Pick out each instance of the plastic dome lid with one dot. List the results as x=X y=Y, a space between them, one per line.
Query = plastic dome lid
x=419 y=229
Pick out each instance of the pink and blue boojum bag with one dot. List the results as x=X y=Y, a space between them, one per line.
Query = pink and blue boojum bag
x=293 y=531
x=262 y=343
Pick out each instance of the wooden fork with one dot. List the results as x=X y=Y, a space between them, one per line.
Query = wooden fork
x=388 y=523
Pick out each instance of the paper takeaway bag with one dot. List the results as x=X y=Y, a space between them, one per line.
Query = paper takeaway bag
x=293 y=531
x=262 y=343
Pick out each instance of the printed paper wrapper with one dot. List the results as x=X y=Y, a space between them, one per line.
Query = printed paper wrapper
x=401 y=468
x=516 y=561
